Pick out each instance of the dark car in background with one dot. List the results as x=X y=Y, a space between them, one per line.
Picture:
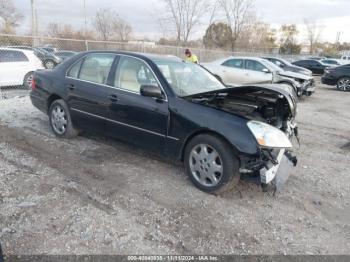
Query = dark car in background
x=315 y=66
x=338 y=76
x=287 y=66
x=176 y=109
x=53 y=59
x=49 y=49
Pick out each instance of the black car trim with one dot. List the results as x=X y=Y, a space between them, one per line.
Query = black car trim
x=118 y=88
x=123 y=124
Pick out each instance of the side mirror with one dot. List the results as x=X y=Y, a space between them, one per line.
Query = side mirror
x=267 y=71
x=151 y=91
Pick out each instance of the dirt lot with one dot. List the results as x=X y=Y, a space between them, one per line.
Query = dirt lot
x=93 y=195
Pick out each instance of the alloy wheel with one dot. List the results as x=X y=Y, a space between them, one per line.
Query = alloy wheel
x=59 y=119
x=206 y=165
x=344 y=84
x=49 y=65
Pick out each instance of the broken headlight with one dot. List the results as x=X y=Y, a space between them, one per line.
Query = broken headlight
x=269 y=136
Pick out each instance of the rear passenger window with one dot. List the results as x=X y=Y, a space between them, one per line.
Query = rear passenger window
x=236 y=63
x=9 y=56
x=74 y=71
x=96 y=67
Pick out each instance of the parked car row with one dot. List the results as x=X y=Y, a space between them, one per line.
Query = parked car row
x=50 y=57
x=233 y=71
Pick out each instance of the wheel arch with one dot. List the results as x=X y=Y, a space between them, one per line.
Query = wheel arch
x=206 y=132
x=51 y=99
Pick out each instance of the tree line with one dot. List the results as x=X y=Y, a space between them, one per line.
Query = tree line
x=230 y=25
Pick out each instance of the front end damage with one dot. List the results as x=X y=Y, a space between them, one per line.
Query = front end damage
x=270 y=167
x=270 y=111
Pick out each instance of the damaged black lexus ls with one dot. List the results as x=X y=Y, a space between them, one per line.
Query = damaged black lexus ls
x=176 y=109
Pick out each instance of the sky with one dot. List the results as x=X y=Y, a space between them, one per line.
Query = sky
x=332 y=15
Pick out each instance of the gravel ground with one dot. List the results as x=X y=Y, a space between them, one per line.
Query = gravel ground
x=93 y=195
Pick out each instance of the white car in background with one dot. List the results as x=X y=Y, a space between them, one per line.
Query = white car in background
x=233 y=71
x=17 y=67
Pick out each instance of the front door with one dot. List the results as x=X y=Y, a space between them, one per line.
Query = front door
x=257 y=73
x=141 y=120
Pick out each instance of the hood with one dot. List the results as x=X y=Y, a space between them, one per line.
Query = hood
x=295 y=75
x=272 y=104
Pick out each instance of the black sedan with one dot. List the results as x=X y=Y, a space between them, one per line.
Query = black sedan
x=338 y=76
x=176 y=109
x=285 y=65
x=315 y=66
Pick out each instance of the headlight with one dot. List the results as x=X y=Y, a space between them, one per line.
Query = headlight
x=269 y=136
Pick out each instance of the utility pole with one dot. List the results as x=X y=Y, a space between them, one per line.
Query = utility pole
x=85 y=20
x=34 y=23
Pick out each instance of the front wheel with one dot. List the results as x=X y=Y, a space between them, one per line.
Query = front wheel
x=211 y=164
x=343 y=84
x=60 y=120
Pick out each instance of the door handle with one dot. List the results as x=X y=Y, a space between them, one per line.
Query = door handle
x=71 y=87
x=114 y=98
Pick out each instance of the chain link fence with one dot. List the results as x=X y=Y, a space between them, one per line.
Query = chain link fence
x=78 y=45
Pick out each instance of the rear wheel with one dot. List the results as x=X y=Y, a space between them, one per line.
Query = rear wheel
x=343 y=84
x=60 y=120
x=27 y=81
x=49 y=64
x=211 y=164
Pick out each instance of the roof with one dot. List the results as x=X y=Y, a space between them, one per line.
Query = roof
x=153 y=57
x=16 y=49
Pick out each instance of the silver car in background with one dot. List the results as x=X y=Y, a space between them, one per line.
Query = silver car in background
x=234 y=71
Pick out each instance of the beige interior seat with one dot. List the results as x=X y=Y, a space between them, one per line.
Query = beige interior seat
x=128 y=80
x=91 y=71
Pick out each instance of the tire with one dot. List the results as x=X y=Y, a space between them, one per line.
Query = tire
x=49 y=64
x=27 y=81
x=343 y=84
x=202 y=168
x=60 y=120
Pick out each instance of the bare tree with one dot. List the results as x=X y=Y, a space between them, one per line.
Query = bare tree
x=9 y=17
x=110 y=26
x=238 y=14
x=183 y=16
x=314 y=31
x=103 y=23
x=122 y=29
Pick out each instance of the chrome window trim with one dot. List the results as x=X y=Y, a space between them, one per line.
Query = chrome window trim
x=123 y=124
x=118 y=88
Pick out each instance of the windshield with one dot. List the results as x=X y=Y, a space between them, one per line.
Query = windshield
x=188 y=78
x=271 y=66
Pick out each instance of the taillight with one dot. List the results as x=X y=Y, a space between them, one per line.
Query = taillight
x=33 y=84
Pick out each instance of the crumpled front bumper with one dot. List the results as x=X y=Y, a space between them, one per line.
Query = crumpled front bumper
x=277 y=171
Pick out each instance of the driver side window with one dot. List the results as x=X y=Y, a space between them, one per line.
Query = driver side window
x=132 y=74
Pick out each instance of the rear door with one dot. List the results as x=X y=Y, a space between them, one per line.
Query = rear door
x=88 y=90
x=256 y=73
x=13 y=67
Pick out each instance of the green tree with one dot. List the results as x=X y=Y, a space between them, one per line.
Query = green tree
x=218 y=35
